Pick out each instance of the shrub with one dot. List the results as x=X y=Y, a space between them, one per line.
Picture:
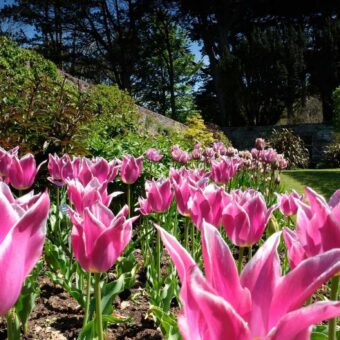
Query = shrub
x=291 y=145
x=197 y=131
x=331 y=156
x=42 y=111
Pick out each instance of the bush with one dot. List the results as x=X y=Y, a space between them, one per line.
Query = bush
x=205 y=134
x=331 y=156
x=42 y=111
x=291 y=145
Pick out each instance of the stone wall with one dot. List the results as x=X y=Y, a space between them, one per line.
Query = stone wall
x=149 y=117
x=316 y=136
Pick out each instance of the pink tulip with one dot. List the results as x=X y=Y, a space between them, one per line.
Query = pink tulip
x=99 y=237
x=153 y=155
x=85 y=196
x=22 y=172
x=131 y=169
x=182 y=194
x=22 y=235
x=287 y=203
x=281 y=163
x=55 y=166
x=103 y=170
x=245 y=217
x=207 y=204
x=6 y=160
x=179 y=155
x=219 y=148
x=231 y=152
x=158 y=196
x=268 y=156
x=208 y=154
x=196 y=154
x=260 y=144
x=257 y=304
x=317 y=228
x=84 y=169
x=224 y=169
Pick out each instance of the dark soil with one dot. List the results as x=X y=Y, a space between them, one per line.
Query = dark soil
x=57 y=316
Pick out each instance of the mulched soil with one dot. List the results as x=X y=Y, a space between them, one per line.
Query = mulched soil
x=57 y=316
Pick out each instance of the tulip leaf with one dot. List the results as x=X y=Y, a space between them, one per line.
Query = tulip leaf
x=109 y=292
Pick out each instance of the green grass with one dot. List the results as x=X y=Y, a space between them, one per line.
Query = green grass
x=324 y=181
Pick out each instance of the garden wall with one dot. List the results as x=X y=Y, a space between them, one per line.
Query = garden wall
x=316 y=136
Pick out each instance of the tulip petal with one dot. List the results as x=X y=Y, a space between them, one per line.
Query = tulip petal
x=221 y=271
x=260 y=276
x=298 y=285
x=296 y=324
x=28 y=235
x=181 y=258
x=296 y=253
x=8 y=217
x=111 y=243
x=209 y=316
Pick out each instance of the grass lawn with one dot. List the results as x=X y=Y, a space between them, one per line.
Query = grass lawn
x=324 y=181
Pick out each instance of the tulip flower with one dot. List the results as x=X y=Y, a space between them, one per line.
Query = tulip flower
x=22 y=172
x=245 y=217
x=153 y=155
x=219 y=148
x=207 y=204
x=224 y=169
x=158 y=196
x=103 y=170
x=257 y=304
x=196 y=154
x=179 y=155
x=99 y=237
x=22 y=235
x=268 y=156
x=317 y=228
x=85 y=196
x=287 y=203
x=231 y=152
x=182 y=194
x=209 y=154
x=55 y=166
x=260 y=144
x=6 y=160
x=131 y=169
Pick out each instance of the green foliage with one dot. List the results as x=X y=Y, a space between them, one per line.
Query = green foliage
x=291 y=145
x=331 y=156
x=44 y=112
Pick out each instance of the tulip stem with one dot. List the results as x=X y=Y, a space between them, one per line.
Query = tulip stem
x=13 y=326
x=334 y=296
x=99 y=317
x=240 y=258
x=192 y=238
x=129 y=198
x=88 y=298
x=58 y=216
x=158 y=260
x=250 y=252
x=186 y=233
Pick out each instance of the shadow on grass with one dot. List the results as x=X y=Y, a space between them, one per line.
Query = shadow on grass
x=324 y=182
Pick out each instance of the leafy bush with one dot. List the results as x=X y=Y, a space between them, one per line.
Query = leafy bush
x=42 y=111
x=291 y=145
x=331 y=156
